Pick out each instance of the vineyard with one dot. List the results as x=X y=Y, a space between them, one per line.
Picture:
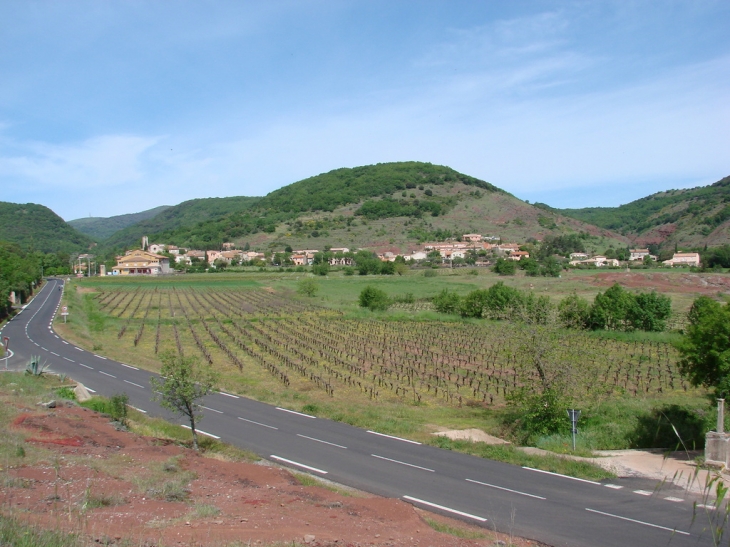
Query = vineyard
x=307 y=348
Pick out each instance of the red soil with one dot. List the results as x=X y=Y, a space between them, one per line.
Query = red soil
x=258 y=505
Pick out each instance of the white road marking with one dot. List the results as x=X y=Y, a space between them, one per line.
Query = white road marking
x=44 y=349
x=673 y=530
x=212 y=409
x=506 y=489
x=229 y=395
x=106 y=374
x=704 y=506
x=642 y=492
x=295 y=412
x=559 y=475
x=672 y=498
x=71 y=360
x=78 y=348
x=99 y=356
x=290 y=462
x=321 y=441
x=448 y=509
x=129 y=366
x=392 y=437
x=257 y=423
x=86 y=366
x=56 y=354
x=402 y=463
x=89 y=389
x=134 y=384
x=64 y=341
x=202 y=432
x=56 y=335
x=137 y=409
x=614 y=486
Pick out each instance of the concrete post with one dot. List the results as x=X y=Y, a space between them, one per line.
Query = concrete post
x=721 y=415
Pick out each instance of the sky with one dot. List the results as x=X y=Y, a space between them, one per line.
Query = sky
x=111 y=107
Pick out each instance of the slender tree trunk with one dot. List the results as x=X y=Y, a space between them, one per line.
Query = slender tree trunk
x=191 y=415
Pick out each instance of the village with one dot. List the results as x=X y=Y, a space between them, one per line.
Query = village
x=469 y=249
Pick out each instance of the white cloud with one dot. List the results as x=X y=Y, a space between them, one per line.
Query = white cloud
x=98 y=162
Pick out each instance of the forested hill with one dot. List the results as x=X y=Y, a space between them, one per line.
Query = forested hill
x=36 y=228
x=183 y=218
x=101 y=228
x=396 y=204
x=691 y=218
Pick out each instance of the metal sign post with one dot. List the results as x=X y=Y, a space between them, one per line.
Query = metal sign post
x=64 y=313
x=573 y=414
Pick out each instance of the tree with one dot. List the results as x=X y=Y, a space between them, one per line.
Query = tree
x=649 y=312
x=308 y=287
x=504 y=267
x=183 y=382
x=374 y=299
x=446 y=302
x=574 y=311
x=705 y=347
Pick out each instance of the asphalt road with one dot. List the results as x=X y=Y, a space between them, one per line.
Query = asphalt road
x=554 y=509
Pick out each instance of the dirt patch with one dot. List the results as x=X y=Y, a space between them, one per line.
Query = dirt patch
x=704 y=284
x=473 y=435
x=112 y=486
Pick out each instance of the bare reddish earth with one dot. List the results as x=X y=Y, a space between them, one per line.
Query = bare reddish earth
x=661 y=282
x=258 y=504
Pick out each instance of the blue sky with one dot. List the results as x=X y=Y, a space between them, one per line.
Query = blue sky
x=115 y=107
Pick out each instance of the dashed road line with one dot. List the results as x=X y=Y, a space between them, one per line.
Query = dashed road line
x=297 y=464
x=295 y=412
x=675 y=500
x=643 y=492
x=106 y=374
x=202 y=432
x=321 y=441
x=559 y=475
x=614 y=486
x=257 y=423
x=447 y=509
x=99 y=356
x=506 y=489
x=78 y=348
x=402 y=463
x=673 y=530
x=137 y=409
x=56 y=354
x=229 y=395
x=129 y=366
x=71 y=360
x=127 y=381
x=85 y=366
x=392 y=437
x=212 y=409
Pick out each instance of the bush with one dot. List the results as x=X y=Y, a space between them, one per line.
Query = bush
x=447 y=302
x=430 y=273
x=504 y=267
x=374 y=299
x=308 y=287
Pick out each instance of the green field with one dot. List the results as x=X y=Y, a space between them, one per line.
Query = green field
x=407 y=371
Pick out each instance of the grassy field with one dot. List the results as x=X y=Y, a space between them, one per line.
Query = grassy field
x=408 y=371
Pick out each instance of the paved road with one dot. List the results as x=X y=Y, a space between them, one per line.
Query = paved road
x=557 y=510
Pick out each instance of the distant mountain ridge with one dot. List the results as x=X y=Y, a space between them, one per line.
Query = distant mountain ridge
x=389 y=205
x=101 y=228
x=36 y=228
x=693 y=217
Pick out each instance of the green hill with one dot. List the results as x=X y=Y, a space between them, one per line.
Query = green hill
x=390 y=205
x=689 y=218
x=101 y=228
x=36 y=228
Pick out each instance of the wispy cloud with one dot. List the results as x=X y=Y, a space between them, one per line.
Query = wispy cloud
x=99 y=162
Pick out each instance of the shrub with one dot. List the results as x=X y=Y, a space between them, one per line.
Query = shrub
x=308 y=287
x=374 y=299
x=447 y=302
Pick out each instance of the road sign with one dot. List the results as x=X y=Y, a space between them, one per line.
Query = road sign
x=64 y=312
x=574 y=414
x=6 y=344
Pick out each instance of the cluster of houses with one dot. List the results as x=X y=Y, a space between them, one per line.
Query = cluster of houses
x=150 y=261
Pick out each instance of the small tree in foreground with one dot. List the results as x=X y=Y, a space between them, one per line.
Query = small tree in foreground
x=183 y=382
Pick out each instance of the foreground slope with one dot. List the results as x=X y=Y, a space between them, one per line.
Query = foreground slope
x=36 y=228
x=690 y=218
x=101 y=228
x=393 y=205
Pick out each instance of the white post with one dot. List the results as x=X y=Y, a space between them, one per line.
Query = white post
x=721 y=415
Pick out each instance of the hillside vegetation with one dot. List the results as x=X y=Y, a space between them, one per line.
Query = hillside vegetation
x=391 y=204
x=36 y=228
x=692 y=218
x=101 y=228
